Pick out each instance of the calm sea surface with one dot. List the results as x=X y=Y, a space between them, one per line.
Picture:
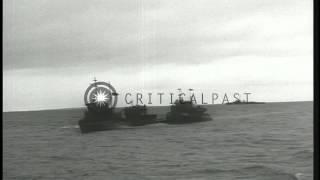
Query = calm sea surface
x=259 y=142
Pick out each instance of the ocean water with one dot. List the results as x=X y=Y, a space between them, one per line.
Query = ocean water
x=252 y=142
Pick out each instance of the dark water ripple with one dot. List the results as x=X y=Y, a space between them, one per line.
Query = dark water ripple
x=258 y=142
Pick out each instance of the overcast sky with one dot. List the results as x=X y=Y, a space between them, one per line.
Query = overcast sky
x=53 y=49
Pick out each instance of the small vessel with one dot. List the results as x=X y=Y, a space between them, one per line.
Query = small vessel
x=186 y=112
x=244 y=102
x=100 y=119
x=138 y=116
x=100 y=99
x=100 y=114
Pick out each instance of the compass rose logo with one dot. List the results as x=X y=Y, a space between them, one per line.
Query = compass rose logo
x=101 y=94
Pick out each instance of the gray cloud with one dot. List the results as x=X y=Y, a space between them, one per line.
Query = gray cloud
x=40 y=34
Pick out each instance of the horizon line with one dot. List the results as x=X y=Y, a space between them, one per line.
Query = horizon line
x=79 y=107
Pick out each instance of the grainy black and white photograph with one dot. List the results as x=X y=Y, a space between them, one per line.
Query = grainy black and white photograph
x=158 y=90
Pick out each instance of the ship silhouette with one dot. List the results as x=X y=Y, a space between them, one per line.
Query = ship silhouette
x=138 y=116
x=106 y=118
x=100 y=117
x=182 y=112
x=244 y=102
